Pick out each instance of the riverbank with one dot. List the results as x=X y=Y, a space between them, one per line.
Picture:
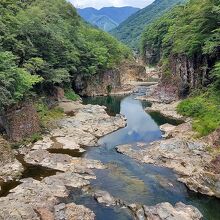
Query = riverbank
x=196 y=160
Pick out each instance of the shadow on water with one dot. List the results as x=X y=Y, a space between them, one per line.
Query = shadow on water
x=130 y=180
x=111 y=102
x=30 y=171
x=73 y=153
x=160 y=119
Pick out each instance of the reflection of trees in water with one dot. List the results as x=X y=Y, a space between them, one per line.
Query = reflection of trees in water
x=111 y=102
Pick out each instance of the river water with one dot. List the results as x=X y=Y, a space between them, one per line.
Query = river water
x=130 y=180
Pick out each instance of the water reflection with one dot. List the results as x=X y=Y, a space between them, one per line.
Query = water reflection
x=140 y=126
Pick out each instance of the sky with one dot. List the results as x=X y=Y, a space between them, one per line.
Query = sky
x=106 y=3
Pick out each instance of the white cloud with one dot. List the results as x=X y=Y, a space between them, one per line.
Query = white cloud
x=105 y=3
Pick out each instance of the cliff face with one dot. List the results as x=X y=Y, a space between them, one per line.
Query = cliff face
x=192 y=72
x=109 y=81
x=151 y=56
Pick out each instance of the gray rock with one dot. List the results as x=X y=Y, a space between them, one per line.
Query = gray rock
x=165 y=211
x=105 y=198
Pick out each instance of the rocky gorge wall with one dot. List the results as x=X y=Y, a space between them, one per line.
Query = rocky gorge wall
x=109 y=81
x=188 y=72
x=192 y=72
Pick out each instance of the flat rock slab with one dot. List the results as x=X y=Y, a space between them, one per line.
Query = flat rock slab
x=89 y=123
x=62 y=162
x=34 y=199
x=73 y=212
x=188 y=158
x=167 y=129
x=165 y=211
x=160 y=94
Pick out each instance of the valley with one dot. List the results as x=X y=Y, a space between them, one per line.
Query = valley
x=109 y=113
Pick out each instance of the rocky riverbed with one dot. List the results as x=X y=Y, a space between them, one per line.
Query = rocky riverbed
x=43 y=199
x=34 y=199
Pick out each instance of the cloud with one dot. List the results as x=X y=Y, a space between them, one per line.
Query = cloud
x=117 y=3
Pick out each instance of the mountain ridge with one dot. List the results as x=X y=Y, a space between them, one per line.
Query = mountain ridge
x=115 y=15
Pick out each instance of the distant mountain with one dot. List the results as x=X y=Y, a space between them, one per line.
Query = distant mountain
x=104 y=22
x=131 y=29
x=106 y=18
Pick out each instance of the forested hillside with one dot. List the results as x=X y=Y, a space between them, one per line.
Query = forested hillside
x=129 y=32
x=107 y=18
x=186 y=42
x=45 y=43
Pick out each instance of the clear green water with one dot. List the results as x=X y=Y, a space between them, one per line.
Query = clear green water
x=129 y=180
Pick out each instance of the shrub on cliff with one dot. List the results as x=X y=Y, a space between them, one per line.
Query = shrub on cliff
x=216 y=75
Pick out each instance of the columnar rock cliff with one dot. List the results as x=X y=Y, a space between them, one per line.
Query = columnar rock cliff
x=192 y=72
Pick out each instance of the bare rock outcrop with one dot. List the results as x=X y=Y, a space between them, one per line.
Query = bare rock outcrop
x=165 y=211
x=88 y=123
x=166 y=110
x=10 y=167
x=189 y=158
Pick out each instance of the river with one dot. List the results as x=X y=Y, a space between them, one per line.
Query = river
x=132 y=181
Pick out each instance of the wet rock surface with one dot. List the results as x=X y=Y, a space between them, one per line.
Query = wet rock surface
x=161 y=211
x=104 y=197
x=188 y=157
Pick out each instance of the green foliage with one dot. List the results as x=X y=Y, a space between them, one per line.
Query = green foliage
x=129 y=32
x=204 y=109
x=47 y=115
x=191 y=29
x=216 y=74
x=46 y=42
x=15 y=82
x=26 y=141
x=109 y=89
x=71 y=95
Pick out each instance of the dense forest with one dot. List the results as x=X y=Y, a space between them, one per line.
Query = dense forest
x=45 y=43
x=186 y=43
x=129 y=32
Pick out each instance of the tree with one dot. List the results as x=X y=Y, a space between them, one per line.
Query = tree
x=15 y=83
